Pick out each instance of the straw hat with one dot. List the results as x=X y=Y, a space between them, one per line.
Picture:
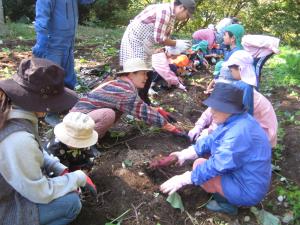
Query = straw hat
x=134 y=65
x=76 y=130
x=39 y=86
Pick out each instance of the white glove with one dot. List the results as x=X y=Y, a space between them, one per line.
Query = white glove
x=182 y=87
x=183 y=45
x=194 y=133
x=151 y=92
x=176 y=182
x=185 y=154
x=172 y=50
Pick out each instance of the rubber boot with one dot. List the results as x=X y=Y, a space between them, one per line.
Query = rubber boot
x=221 y=204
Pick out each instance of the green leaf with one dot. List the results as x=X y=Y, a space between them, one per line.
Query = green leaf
x=119 y=223
x=175 y=201
x=118 y=220
x=265 y=218
x=127 y=163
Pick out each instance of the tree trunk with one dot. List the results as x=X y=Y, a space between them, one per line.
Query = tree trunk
x=2 y=26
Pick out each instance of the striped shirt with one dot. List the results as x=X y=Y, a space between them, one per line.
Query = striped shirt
x=163 y=18
x=121 y=96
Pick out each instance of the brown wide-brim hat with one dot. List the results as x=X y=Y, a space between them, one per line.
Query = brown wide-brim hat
x=39 y=86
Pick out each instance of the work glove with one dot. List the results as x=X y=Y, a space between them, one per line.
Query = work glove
x=186 y=154
x=40 y=47
x=65 y=171
x=176 y=131
x=172 y=50
x=176 y=182
x=166 y=115
x=194 y=133
x=163 y=162
x=183 y=45
x=182 y=87
x=90 y=186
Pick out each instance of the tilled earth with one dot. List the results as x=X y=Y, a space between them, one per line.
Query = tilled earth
x=131 y=187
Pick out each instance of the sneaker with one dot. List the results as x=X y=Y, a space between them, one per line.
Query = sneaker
x=222 y=207
x=52 y=119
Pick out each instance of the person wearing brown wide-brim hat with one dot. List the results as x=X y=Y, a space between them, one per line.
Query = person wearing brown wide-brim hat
x=28 y=195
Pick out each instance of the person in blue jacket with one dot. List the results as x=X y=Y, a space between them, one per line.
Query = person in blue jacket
x=234 y=161
x=55 y=24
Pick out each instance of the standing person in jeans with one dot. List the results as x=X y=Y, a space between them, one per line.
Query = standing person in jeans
x=55 y=25
x=28 y=195
x=154 y=26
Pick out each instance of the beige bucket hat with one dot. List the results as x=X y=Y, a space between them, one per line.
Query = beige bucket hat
x=133 y=65
x=76 y=130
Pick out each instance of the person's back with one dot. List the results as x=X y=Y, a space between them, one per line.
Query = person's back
x=249 y=143
x=264 y=112
x=205 y=35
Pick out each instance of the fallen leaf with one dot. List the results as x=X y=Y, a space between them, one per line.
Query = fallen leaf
x=175 y=201
x=265 y=218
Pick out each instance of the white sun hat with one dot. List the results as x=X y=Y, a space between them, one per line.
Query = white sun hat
x=244 y=60
x=76 y=130
x=133 y=65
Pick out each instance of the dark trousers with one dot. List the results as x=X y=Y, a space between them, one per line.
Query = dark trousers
x=143 y=93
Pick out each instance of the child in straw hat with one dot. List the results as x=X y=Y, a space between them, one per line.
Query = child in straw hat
x=73 y=139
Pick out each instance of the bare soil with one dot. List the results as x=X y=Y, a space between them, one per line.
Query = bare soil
x=135 y=188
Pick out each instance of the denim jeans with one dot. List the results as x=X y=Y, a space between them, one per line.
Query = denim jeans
x=60 y=211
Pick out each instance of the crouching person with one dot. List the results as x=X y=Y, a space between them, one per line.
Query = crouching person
x=234 y=161
x=74 y=141
x=28 y=195
x=107 y=102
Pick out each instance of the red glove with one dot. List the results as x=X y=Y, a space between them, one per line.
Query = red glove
x=176 y=131
x=64 y=172
x=163 y=162
x=166 y=115
x=90 y=186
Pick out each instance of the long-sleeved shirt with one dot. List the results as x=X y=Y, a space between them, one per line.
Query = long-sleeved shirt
x=260 y=45
x=241 y=155
x=264 y=113
x=163 y=18
x=161 y=63
x=22 y=162
x=122 y=96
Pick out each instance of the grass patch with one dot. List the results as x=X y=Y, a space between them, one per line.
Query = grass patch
x=284 y=69
x=19 y=31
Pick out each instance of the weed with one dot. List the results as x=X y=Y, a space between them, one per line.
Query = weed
x=284 y=68
x=292 y=193
x=19 y=31
x=6 y=73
